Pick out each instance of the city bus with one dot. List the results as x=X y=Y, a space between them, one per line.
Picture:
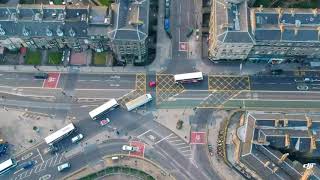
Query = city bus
x=138 y=101
x=7 y=165
x=188 y=77
x=104 y=108
x=60 y=134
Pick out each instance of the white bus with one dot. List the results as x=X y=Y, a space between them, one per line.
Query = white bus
x=188 y=77
x=104 y=108
x=58 y=135
x=138 y=101
x=7 y=165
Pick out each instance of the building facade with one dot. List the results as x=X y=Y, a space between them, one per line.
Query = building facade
x=76 y=27
x=274 y=34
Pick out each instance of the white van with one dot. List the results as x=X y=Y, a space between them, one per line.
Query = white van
x=77 y=138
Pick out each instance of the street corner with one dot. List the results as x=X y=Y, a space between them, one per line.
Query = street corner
x=198 y=138
x=183 y=46
x=140 y=148
x=52 y=81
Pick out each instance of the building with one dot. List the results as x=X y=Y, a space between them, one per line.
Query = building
x=273 y=145
x=262 y=34
x=77 y=27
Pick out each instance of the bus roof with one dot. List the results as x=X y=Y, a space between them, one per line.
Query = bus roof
x=179 y=77
x=4 y=165
x=138 y=101
x=103 y=107
x=58 y=134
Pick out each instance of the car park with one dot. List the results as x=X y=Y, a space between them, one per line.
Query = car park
x=104 y=121
x=129 y=148
x=63 y=166
x=77 y=138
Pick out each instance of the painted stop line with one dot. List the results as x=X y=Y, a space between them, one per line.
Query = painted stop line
x=198 y=138
x=52 y=80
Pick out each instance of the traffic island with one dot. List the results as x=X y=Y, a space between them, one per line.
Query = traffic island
x=121 y=165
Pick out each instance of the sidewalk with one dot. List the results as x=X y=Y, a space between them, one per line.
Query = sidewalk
x=213 y=130
x=169 y=118
x=133 y=162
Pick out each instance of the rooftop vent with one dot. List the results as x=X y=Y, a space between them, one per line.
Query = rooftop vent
x=49 y=32
x=2 y=32
x=59 y=31
x=25 y=31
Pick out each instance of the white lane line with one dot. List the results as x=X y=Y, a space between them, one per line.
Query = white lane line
x=173 y=137
x=177 y=140
x=163 y=138
x=36 y=168
x=184 y=147
x=179 y=144
x=185 y=150
x=94 y=80
x=18 y=171
x=143 y=133
x=40 y=155
x=60 y=159
x=51 y=160
x=57 y=82
x=54 y=163
x=23 y=175
x=31 y=172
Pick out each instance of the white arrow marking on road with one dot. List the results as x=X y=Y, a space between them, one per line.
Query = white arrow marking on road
x=115 y=85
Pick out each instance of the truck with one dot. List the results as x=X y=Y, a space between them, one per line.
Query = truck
x=141 y=100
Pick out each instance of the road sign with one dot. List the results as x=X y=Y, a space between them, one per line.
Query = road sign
x=52 y=80
x=183 y=46
x=198 y=138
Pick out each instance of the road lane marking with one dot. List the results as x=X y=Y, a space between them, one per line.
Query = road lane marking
x=57 y=82
x=179 y=144
x=60 y=159
x=163 y=139
x=143 y=133
x=40 y=155
x=184 y=147
x=177 y=140
x=55 y=159
x=186 y=150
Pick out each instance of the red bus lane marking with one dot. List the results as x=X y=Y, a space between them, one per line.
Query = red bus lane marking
x=52 y=80
x=140 y=148
x=198 y=138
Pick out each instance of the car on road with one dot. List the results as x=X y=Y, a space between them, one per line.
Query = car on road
x=77 y=138
x=64 y=166
x=197 y=34
x=152 y=84
x=276 y=71
x=303 y=88
x=41 y=75
x=306 y=80
x=104 y=122
x=28 y=165
x=129 y=148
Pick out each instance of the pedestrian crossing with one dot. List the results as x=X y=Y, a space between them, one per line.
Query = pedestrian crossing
x=183 y=147
x=51 y=162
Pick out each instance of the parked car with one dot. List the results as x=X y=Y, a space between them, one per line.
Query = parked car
x=41 y=75
x=77 y=138
x=306 y=80
x=152 y=84
x=104 y=122
x=64 y=166
x=129 y=148
x=197 y=34
x=28 y=165
x=276 y=71
x=303 y=88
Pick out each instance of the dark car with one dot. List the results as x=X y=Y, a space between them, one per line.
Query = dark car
x=276 y=71
x=28 y=165
x=53 y=149
x=41 y=75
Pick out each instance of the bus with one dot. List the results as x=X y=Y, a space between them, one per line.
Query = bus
x=188 y=77
x=104 y=108
x=58 y=135
x=7 y=165
x=138 y=101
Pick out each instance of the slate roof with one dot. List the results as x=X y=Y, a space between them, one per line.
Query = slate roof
x=50 y=20
x=123 y=28
x=262 y=141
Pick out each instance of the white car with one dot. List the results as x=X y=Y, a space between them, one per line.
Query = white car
x=129 y=148
x=77 y=138
x=197 y=34
x=63 y=166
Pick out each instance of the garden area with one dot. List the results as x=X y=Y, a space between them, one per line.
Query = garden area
x=54 y=58
x=116 y=170
x=99 y=58
x=105 y=2
x=33 y=57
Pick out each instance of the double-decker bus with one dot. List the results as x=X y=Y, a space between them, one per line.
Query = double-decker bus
x=60 y=134
x=188 y=77
x=103 y=109
x=5 y=166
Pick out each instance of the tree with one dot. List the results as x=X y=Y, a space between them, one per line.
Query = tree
x=179 y=124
